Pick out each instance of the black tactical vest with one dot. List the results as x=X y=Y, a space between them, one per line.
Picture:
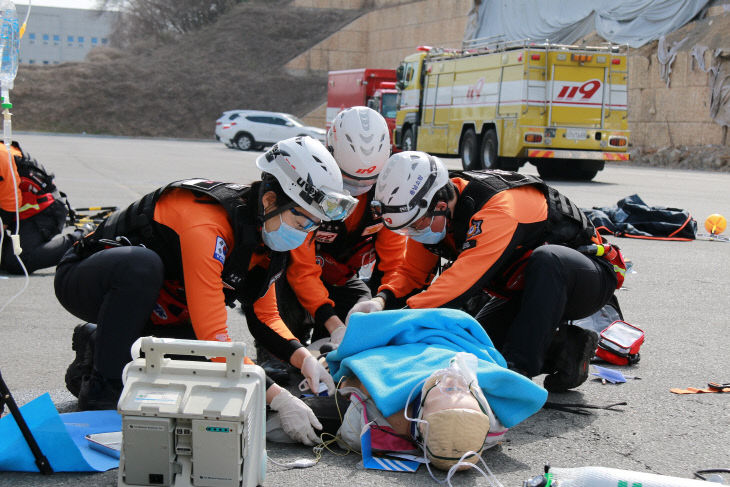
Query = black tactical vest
x=136 y=224
x=566 y=224
x=332 y=237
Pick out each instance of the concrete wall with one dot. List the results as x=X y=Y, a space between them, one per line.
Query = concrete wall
x=382 y=37
x=348 y=4
x=676 y=115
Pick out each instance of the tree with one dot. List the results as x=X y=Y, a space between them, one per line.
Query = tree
x=162 y=20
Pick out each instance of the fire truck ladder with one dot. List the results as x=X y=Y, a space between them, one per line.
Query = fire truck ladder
x=482 y=44
x=540 y=86
x=616 y=75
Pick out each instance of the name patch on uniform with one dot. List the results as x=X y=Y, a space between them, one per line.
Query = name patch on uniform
x=474 y=229
x=372 y=229
x=325 y=237
x=221 y=249
x=469 y=244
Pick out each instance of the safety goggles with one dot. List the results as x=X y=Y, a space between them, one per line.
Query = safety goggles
x=420 y=226
x=418 y=200
x=336 y=205
x=310 y=225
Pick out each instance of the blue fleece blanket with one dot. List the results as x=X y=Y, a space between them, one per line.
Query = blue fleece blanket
x=392 y=351
x=61 y=438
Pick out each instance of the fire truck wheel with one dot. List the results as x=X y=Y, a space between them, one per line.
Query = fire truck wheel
x=470 y=150
x=489 y=150
x=244 y=141
x=586 y=174
x=409 y=141
x=550 y=169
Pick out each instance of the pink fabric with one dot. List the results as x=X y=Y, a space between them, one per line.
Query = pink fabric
x=384 y=438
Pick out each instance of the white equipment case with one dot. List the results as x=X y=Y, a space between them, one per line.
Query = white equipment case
x=192 y=423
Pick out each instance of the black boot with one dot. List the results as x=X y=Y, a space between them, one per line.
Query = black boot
x=572 y=360
x=98 y=392
x=82 y=343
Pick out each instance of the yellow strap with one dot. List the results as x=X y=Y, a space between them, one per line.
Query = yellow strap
x=28 y=206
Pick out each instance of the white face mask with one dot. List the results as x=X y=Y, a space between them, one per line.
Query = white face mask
x=355 y=190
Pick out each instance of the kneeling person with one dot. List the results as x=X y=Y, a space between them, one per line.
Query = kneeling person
x=169 y=263
x=41 y=209
x=322 y=276
x=509 y=234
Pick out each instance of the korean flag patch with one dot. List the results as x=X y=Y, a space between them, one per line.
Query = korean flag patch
x=221 y=249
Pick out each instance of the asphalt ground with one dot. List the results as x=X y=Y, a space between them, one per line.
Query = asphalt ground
x=678 y=295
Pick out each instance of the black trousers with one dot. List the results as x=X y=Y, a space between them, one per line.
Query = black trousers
x=116 y=289
x=42 y=242
x=560 y=284
x=301 y=323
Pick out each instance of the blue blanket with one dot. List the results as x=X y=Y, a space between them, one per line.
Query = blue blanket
x=392 y=351
x=61 y=438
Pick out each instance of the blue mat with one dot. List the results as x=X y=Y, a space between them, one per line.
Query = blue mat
x=61 y=438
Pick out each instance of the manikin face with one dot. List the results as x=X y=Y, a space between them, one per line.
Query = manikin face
x=451 y=392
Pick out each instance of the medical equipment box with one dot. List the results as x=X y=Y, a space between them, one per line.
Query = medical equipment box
x=189 y=422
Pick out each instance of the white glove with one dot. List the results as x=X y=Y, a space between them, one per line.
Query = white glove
x=297 y=419
x=369 y=306
x=337 y=335
x=313 y=371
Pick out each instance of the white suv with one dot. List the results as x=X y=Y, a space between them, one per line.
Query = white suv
x=254 y=129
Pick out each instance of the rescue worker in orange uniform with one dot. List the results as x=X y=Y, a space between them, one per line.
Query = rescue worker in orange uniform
x=169 y=263
x=507 y=233
x=322 y=276
x=26 y=186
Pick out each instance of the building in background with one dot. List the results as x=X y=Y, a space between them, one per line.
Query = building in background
x=57 y=35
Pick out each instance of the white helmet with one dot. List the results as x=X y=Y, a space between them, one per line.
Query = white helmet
x=309 y=175
x=360 y=142
x=406 y=186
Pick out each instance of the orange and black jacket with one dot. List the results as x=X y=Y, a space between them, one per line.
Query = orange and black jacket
x=207 y=234
x=499 y=218
x=337 y=251
x=34 y=186
x=9 y=194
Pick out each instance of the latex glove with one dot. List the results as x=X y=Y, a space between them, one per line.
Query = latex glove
x=370 y=306
x=297 y=419
x=313 y=371
x=337 y=335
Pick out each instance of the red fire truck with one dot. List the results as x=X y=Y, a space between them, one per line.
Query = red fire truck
x=374 y=88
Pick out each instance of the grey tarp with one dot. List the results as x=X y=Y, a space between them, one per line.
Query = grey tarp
x=632 y=22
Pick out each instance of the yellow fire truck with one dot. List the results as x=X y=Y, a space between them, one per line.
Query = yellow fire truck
x=501 y=104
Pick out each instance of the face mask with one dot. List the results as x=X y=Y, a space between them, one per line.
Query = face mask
x=284 y=238
x=428 y=236
x=355 y=190
x=434 y=434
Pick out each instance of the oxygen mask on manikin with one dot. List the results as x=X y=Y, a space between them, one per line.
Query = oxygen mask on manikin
x=451 y=417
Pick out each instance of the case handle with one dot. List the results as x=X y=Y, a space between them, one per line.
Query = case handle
x=156 y=348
